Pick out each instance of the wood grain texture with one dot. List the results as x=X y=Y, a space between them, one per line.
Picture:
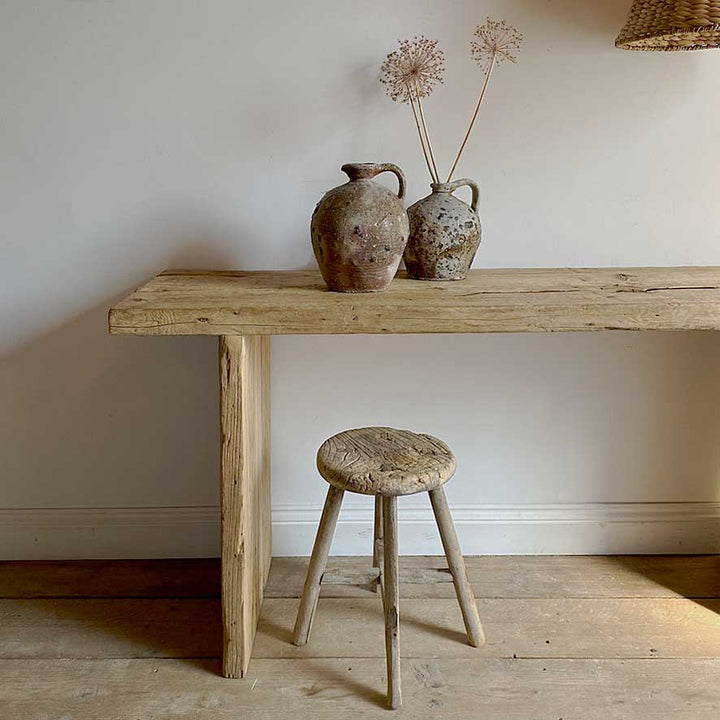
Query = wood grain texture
x=620 y=576
x=610 y=628
x=245 y=491
x=575 y=576
x=316 y=567
x=377 y=530
x=377 y=550
x=334 y=688
x=385 y=461
x=391 y=601
x=110 y=578
x=456 y=563
x=353 y=627
x=564 y=655
x=193 y=302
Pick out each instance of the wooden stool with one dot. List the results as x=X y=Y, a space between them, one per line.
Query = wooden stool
x=386 y=463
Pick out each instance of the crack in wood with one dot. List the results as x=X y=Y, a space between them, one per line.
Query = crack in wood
x=521 y=292
x=669 y=287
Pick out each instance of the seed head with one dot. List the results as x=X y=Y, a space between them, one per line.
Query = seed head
x=413 y=70
x=497 y=41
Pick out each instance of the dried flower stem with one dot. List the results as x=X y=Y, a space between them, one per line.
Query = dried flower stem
x=474 y=117
x=436 y=175
x=422 y=139
x=411 y=73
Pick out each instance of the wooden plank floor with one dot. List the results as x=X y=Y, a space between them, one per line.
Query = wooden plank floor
x=571 y=638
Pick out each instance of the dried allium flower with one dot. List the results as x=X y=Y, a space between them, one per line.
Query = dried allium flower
x=496 y=42
x=413 y=71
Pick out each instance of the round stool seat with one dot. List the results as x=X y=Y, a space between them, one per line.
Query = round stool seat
x=385 y=461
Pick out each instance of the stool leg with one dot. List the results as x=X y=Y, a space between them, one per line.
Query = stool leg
x=377 y=536
x=390 y=600
x=318 y=560
x=456 y=563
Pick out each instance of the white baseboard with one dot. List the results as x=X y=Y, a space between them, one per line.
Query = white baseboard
x=557 y=529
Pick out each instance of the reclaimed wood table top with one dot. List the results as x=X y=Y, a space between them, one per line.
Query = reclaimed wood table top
x=200 y=302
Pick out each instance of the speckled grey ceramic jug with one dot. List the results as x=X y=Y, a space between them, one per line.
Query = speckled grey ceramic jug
x=444 y=233
x=359 y=230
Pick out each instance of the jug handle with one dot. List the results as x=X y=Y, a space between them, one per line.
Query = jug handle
x=466 y=182
x=389 y=167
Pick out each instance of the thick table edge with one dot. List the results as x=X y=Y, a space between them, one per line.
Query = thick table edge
x=624 y=301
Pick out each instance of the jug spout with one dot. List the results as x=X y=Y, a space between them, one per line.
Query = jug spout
x=367 y=171
x=361 y=171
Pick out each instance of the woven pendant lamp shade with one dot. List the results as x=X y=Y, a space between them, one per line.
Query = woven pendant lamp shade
x=671 y=25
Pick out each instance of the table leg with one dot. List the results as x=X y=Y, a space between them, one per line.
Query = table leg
x=245 y=491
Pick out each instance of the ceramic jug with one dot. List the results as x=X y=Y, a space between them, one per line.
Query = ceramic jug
x=444 y=233
x=359 y=230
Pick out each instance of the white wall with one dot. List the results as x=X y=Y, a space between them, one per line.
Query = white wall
x=146 y=134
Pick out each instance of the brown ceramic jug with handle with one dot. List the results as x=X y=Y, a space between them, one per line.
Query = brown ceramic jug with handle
x=359 y=230
x=444 y=233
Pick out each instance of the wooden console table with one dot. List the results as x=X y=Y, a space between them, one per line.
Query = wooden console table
x=245 y=308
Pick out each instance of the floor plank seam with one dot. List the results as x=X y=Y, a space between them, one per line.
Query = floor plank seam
x=379 y=656
x=345 y=658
